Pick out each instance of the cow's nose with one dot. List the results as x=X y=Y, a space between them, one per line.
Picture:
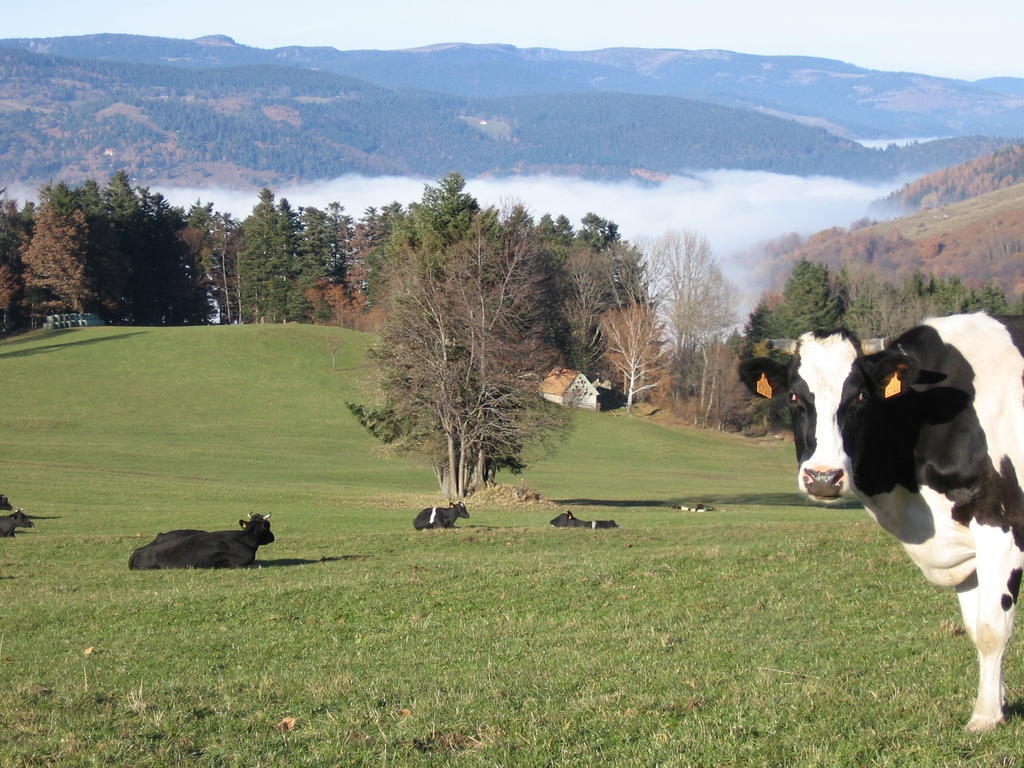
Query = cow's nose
x=823 y=483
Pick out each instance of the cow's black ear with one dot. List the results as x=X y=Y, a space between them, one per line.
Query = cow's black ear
x=763 y=376
x=929 y=377
x=891 y=373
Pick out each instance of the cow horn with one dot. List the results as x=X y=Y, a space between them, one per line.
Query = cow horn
x=785 y=346
x=266 y=516
x=870 y=346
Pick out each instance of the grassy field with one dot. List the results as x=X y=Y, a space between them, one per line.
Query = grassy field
x=766 y=633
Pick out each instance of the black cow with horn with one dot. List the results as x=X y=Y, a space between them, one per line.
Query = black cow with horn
x=17 y=519
x=440 y=517
x=205 y=549
x=569 y=520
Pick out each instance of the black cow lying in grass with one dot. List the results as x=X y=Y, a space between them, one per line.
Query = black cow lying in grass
x=9 y=522
x=189 y=548
x=569 y=520
x=440 y=517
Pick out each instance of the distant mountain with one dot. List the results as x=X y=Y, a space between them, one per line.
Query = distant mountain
x=847 y=100
x=256 y=123
x=1013 y=85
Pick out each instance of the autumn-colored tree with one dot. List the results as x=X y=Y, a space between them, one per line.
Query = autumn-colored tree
x=635 y=347
x=54 y=261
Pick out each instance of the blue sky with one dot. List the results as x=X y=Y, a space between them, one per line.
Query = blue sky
x=950 y=38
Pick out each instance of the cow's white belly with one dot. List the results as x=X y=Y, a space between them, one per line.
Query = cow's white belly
x=942 y=548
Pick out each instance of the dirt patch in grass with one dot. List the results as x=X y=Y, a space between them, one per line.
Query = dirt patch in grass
x=504 y=495
x=454 y=741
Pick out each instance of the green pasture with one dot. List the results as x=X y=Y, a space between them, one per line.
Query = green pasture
x=766 y=633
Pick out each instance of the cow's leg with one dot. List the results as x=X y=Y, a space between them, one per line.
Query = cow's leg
x=988 y=603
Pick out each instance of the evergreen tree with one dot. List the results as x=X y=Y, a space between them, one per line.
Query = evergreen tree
x=597 y=233
x=444 y=214
x=808 y=301
x=266 y=259
x=950 y=295
x=15 y=232
x=759 y=328
x=988 y=298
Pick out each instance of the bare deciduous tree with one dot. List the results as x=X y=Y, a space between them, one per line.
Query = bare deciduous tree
x=698 y=302
x=635 y=347
x=458 y=348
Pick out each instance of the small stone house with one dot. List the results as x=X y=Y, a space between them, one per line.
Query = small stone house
x=570 y=388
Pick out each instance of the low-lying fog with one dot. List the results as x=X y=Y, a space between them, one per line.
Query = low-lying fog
x=734 y=210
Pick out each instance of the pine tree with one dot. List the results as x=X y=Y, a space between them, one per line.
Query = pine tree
x=808 y=301
x=265 y=265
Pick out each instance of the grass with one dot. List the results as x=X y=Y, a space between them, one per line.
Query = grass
x=768 y=632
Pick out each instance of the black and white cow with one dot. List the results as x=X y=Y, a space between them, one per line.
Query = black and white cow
x=205 y=549
x=440 y=517
x=569 y=520
x=16 y=520
x=929 y=434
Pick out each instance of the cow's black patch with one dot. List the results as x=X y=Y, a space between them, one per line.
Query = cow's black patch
x=928 y=435
x=1014 y=585
x=1007 y=602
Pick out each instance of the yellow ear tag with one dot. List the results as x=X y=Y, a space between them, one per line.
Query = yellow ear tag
x=764 y=389
x=894 y=386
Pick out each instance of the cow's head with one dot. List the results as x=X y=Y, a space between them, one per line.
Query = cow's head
x=21 y=519
x=458 y=508
x=4 y=503
x=259 y=525
x=833 y=387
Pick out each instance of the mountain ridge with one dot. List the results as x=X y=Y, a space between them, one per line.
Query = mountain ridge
x=858 y=102
x=252 y=117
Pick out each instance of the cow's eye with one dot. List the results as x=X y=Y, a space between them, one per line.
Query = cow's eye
x=861 y=397
x=793 y=398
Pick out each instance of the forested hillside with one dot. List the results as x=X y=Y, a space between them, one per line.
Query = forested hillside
x=845 y=99
x=252 y=125
x=1001 y=169
x=979 y=240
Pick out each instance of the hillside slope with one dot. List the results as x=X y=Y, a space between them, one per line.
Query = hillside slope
x=1003 y=168
x=980 y=239
x=209 y=423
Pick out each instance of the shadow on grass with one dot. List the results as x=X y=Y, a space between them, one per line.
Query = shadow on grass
x=58 y=346
x=285 y=562
x=1014 y=711
x=717 y=500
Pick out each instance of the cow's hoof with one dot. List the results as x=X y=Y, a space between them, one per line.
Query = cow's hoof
x=980 y=724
